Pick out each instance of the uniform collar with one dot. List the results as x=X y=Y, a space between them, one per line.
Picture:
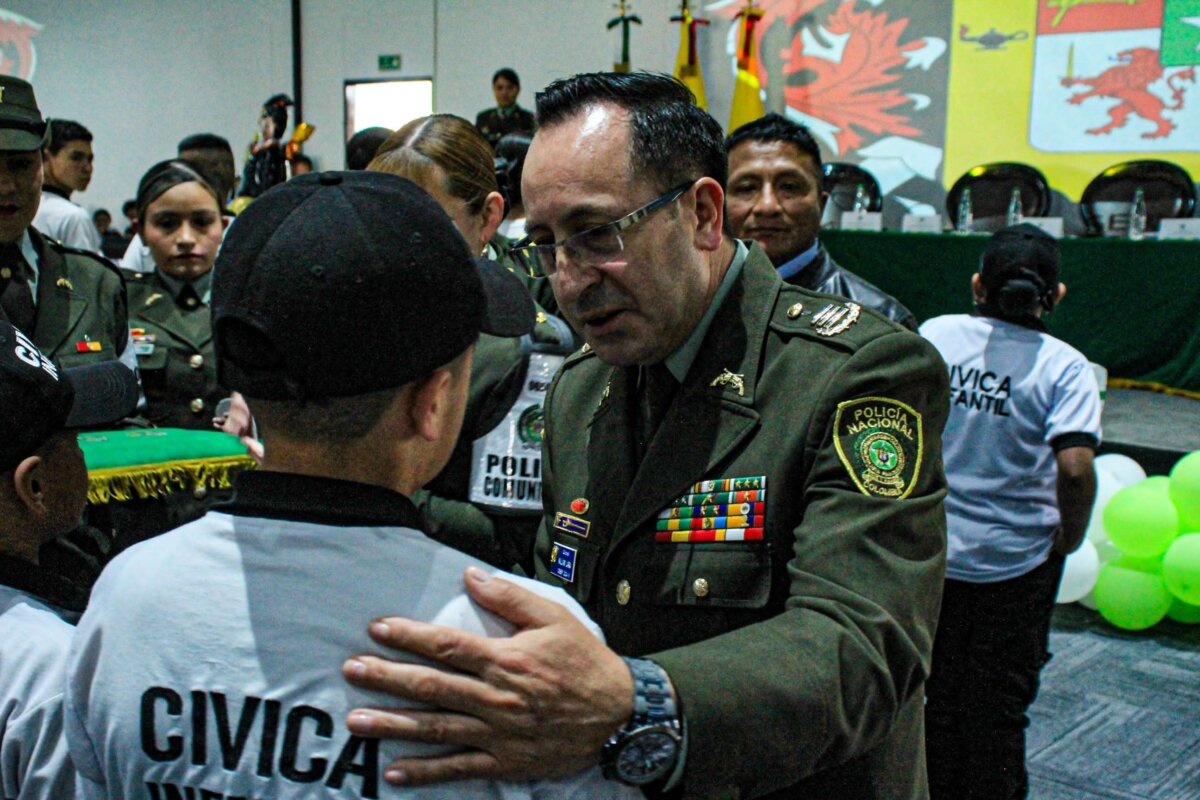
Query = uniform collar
x=63 y=193
x=681 y=360
x=322 y=501
x=202 y=286
x=797 y=263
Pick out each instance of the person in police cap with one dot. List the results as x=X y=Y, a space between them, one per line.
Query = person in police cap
x=346 y=309
x=43 y=488
x=1019 y=444
x=70 y=302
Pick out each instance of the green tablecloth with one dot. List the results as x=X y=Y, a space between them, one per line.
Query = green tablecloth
x=154 y=462
x=1133 y=307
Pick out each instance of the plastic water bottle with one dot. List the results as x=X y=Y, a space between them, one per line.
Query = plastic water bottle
x=966 y=217
x=860 y=199
x=1015 y=212
x=1137 y=215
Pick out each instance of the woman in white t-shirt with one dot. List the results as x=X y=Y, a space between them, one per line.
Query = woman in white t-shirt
x=1018 y=447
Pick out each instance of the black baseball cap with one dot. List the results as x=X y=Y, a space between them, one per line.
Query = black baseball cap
x=37 y=399
x=336 y=284
x=1022 y=252
x=21 y=125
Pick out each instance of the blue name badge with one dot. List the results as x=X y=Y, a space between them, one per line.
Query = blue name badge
x=562 y=562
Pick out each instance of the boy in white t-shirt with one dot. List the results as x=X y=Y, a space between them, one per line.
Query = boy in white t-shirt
x=1018 y=447
x=346 y=308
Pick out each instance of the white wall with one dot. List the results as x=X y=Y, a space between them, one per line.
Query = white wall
x=542 y=41
x=142 y=75
x=342 y=40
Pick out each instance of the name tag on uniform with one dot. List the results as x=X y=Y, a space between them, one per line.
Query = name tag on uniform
x=562 y=562
x=572 y=525
x=143 y=343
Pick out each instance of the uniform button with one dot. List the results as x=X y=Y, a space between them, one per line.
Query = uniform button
x=5 y=273
x=623 y=590
x=196 y=361
x=700 y=587
x=190 y=302
x=200 y=492
x=196 y=405
x=795 y=310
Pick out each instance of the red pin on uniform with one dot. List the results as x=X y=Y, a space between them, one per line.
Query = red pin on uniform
x=580 y=505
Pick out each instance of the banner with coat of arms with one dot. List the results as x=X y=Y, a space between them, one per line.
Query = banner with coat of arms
x=919 y=92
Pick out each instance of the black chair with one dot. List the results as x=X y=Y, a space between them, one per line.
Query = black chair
x=842 y=180
x=1167 y=188
x=991 y=188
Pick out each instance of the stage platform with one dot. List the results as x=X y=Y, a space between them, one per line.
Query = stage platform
x=1154 y=429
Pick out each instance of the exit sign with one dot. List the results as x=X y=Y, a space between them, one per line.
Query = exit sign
x=391 y=62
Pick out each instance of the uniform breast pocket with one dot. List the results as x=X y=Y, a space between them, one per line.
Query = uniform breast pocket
x=153 y=369
x=719 y=575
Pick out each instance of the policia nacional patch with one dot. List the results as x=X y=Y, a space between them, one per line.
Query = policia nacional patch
x=879 y=440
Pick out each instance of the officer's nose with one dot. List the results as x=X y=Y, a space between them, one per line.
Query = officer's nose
x=766 y=202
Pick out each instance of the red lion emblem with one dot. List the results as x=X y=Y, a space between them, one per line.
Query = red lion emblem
x=16 y=39
x=1129 y=82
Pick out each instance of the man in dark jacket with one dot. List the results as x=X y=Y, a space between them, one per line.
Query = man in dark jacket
x=776 y=198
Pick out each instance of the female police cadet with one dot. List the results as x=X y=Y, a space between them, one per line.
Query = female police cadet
x=169 y=314
x=487 y=501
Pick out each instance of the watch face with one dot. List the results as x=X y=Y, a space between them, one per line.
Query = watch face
x=646 y=756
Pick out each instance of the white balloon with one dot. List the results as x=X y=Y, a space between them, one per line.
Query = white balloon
x=1107 y=485
x=1079 y=573
x=1123 y=468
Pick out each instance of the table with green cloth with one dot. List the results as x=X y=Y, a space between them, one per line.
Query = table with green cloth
x=144 y=463
x=1133 y=307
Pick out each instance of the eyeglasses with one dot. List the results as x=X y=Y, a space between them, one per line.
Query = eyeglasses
x=592 y=247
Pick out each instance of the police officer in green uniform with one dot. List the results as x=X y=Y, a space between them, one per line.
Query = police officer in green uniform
x=487 y=501
x=743 y=485
x=507 y=116
x=70 y=302
x=169 y=309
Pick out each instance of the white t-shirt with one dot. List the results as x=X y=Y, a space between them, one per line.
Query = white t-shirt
x=210 y=657
x=34 y=764
x=1013 y=392
x=137 y=256
x=60 y=219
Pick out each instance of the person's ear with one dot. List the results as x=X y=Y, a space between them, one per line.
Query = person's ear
x=710 y=213
x=493 y=214
x=977 y=288
x=824 y=200
x=28 y=479
x=1060 y=293
x=429 y=410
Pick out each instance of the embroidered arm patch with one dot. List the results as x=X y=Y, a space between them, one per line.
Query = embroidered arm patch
x=880 y=442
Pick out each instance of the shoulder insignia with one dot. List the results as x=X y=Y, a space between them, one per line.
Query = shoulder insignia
x=835 y=318
x=880 y=442
x=587 y=348
x=152 y=299
x=541 y=318
x=732 y=380
x=63 y=283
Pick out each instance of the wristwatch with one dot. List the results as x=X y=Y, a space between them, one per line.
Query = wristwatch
x=647 y=749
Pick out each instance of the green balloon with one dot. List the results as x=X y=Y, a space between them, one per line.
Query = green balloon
x=1141 y=522
x=1185 y=490
x=1184 y=612
x=1181 y=568
x=1129 y=598
x=1159 y=483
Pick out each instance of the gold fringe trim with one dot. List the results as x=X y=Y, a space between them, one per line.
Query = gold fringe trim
x=1151 y=386
x=159 y=480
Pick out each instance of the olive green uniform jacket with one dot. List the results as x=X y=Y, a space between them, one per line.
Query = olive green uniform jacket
x=799 y=659
x=493 y=125
x=82 y=315
x=175 y=354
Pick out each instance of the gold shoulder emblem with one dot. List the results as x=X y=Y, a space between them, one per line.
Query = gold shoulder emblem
x=835 y=318
x=63 y=283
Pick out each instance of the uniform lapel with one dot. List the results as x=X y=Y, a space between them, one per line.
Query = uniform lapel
x=59 y=308
x=706 y=422
x=162 y=312
x=611 y=448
